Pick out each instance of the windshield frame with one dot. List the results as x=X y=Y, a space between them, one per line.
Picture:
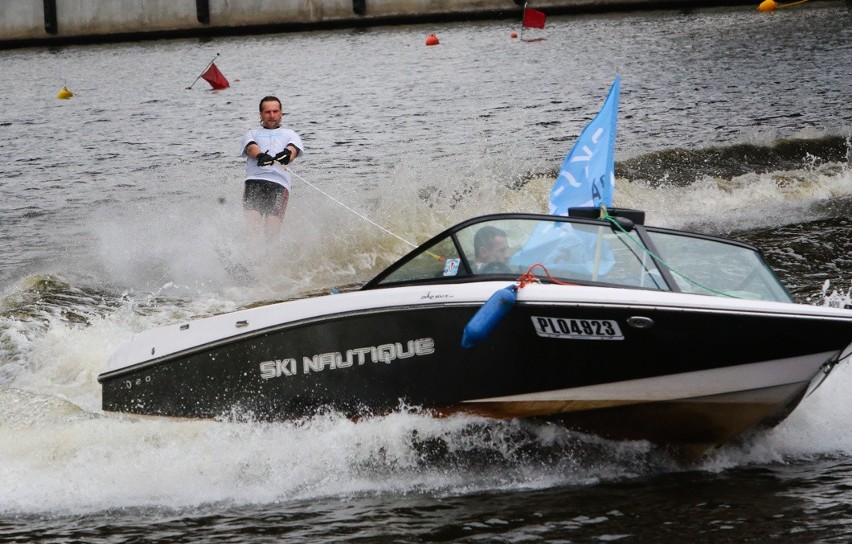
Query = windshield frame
x=455 y=244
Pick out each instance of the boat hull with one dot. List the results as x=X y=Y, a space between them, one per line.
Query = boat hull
x=691 y=378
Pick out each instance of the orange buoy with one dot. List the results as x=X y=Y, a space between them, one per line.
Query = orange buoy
x=432 y=40
x=514 y=34
x=64 y=93
x=767 y=5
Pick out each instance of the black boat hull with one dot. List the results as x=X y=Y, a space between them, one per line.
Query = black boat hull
x=694 y=378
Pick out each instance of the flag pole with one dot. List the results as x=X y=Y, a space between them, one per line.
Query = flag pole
x=523 y=14
x=202 y=71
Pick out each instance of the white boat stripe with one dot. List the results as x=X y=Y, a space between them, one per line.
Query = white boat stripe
x=701 y=383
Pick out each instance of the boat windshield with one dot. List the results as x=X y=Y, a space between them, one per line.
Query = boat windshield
x=576 y=251
x=711 y=266
x=567 y=251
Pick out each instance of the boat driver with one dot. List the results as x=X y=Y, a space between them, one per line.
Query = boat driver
x=491 y=251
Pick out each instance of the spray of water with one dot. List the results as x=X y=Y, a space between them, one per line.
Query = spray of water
x=59 y=452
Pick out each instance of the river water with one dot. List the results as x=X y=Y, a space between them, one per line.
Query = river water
x=118 y=206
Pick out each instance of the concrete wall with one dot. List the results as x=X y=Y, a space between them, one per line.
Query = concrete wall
x=42 y=22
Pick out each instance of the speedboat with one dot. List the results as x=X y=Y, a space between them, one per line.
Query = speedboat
x=593 y=321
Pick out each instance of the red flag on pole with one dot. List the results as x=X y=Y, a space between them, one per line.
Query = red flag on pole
x=215 y=78
x=533 y=18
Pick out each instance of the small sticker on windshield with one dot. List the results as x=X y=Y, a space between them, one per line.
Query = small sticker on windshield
x=451 y=267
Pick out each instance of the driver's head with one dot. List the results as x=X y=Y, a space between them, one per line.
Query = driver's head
x=491 y=245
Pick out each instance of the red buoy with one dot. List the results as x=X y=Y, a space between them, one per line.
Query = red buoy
x=432 y=40
x=514 y=34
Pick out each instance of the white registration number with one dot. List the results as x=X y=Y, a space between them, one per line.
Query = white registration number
x=578 y=329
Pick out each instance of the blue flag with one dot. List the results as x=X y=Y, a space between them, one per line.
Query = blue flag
x=587 y=176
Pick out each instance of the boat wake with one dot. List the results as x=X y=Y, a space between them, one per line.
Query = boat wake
x=60 y=453
x=682 y=167
x=59 y=458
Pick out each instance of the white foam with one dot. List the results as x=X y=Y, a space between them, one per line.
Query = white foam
x=745 y=202
x=59 y=452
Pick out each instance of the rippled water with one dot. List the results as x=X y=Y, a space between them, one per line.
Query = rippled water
x=117 y=204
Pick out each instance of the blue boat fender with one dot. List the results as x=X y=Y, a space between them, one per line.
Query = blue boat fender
x=489 y=316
